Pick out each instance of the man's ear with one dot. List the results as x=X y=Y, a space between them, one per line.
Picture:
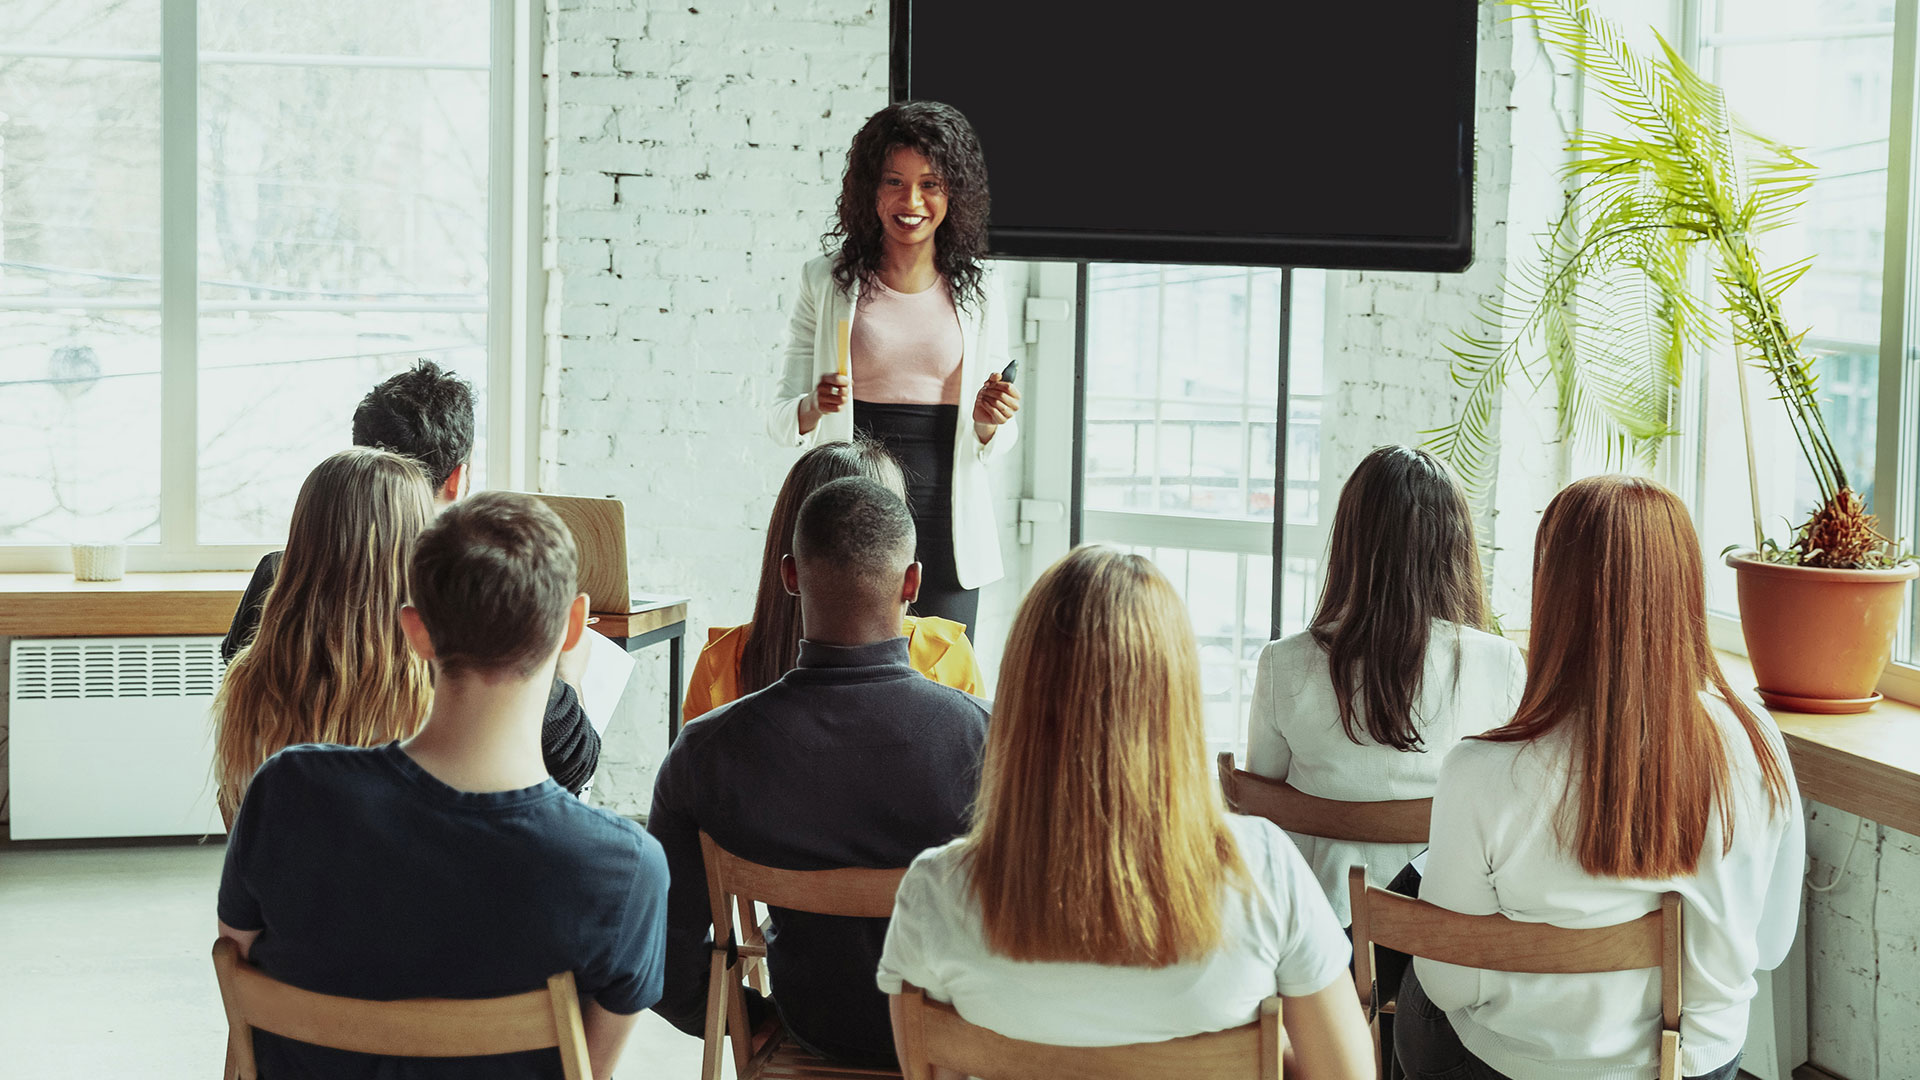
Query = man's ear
x=455 y=486
x=576 y=622
x=416 y=632
x=910 y=584
x=790 y=575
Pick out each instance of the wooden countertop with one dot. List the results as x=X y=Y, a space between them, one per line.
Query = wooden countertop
x=1864 y=763
x=201 y=602
x=55 y=605
x=647 y=614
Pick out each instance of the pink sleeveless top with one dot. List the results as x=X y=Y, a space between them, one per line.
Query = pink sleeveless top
x=906 y=347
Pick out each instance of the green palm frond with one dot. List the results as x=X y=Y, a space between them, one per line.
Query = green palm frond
x=1608 y=310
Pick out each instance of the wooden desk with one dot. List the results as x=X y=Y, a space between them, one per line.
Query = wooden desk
x=55 y=605
x=651 y=620
x=1865 y=763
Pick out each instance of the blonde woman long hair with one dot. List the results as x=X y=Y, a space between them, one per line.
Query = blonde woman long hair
x=329 y=663
x=1099 y=836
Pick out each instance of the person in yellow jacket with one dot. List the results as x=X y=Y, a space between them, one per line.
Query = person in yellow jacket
x=739 y=660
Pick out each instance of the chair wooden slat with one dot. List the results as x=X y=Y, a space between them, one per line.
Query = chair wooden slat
x=854 y=892
x=734 y=884
x=418 y=1027
x=1497 y=943
x=1401 y=821
x=936 y=1036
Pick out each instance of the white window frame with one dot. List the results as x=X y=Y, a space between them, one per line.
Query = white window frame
x=516 y=281
x=1897 y=422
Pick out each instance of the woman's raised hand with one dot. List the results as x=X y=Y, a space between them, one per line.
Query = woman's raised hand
x=995 y=404
x=830 y=393
x=829 y=396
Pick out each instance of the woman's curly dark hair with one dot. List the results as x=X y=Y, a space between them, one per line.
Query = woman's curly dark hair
x=944 y=136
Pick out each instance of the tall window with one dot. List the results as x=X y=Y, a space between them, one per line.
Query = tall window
x=1815 y=74
x=1183 y=378
x=336 y=158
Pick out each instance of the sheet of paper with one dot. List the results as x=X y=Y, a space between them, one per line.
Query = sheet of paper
x=1419 y=861
x=608 y=669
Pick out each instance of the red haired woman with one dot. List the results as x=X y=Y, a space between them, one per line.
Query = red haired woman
x=1658 y=778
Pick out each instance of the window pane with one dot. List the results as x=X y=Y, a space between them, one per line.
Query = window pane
x=1787 y=16
x=277 y=393
x=1182 y=386
x=439 y=29
x=79 y=179
x=343 y=233
x=1832 y=98
x=328 y=183
x=79 y=277
x=1183 y=377
x=79 y=433
x=81 y=24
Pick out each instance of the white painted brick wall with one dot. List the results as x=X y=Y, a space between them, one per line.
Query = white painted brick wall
x=697 y=150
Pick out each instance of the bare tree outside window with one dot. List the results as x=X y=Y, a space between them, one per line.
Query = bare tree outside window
x=342 y=210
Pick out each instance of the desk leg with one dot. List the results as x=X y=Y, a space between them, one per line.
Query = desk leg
x=674 y=645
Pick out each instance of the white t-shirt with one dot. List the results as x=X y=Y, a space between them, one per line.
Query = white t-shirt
x=1495 y=849
x=1278 y=936
x=1472 y=683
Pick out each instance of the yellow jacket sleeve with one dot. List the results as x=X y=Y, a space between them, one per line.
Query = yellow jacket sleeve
x=716 y=674
x=939 y=649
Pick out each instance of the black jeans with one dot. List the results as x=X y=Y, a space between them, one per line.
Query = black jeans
x=1428 y=1048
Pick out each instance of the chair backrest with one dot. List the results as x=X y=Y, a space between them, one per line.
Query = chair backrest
x=933 y=1034
x=854 y=892
x=1402 y=821
x=734 y=883
x=1497 y=943
x=419 y=1027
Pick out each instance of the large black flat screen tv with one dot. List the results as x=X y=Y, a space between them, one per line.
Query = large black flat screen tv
x=1329 y=133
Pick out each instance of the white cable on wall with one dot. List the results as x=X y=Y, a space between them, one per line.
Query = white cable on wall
x=1841 y=870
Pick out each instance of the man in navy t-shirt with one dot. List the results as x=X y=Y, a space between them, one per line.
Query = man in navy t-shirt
x=451 y=865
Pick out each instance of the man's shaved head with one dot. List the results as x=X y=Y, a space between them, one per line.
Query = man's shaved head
x=857 y=535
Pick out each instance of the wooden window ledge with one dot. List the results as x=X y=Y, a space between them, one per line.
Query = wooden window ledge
x=1864 y=763
x=55 y=605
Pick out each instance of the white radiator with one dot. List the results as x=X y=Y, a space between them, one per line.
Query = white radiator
x=112 y=737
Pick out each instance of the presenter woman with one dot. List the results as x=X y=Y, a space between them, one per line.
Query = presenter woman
x=899 y=334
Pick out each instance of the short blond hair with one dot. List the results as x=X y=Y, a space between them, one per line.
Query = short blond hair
x=1099 y=836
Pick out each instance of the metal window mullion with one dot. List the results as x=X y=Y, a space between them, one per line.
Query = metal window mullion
x=1896 y=445
x=179 y=274
x=504 y=394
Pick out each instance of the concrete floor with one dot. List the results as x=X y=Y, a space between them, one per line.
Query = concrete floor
x=104 y=968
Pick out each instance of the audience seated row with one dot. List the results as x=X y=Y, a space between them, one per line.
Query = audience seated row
x=1071 y=875
x=331 y=666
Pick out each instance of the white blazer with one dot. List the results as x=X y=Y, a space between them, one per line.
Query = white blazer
x=813 y=350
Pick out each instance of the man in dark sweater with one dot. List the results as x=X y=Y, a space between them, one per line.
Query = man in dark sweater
x=451 y=865
x=426 y=414
x=851 y=759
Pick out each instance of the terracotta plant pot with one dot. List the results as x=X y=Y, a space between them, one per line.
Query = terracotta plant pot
x=1818 y=639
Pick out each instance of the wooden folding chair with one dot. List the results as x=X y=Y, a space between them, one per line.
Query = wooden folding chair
x=1402 y=821
x=933 y=1035
x=1497 y=943
x=419 y=1027
x=734 y=884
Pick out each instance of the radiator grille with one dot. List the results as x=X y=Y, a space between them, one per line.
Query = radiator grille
x=54 y=668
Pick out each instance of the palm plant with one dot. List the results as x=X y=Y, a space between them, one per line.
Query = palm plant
x=1608 y=312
